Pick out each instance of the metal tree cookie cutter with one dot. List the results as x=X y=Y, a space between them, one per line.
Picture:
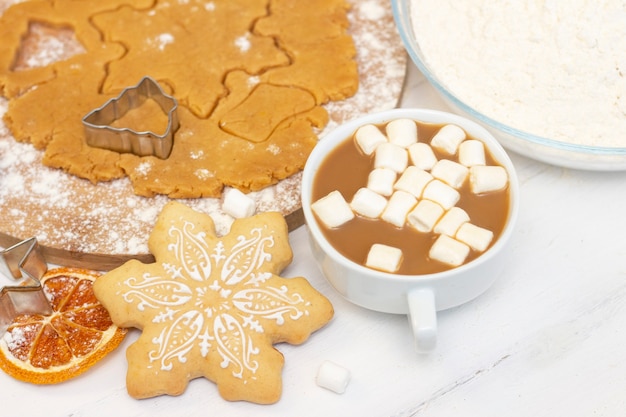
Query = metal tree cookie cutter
x=24 y=262
x=100 y=133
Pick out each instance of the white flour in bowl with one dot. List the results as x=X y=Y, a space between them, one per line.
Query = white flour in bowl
x=553 y=68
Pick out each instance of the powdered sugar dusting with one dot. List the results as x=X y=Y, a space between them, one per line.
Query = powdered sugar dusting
x=45 y=44
x=381 y=59
x=16 y=338
x=372 y=10
x=253 y=80
x=107 y=218
x=143 y=168
x=274 y=149
x=203 y=174
x=161 y=41
x=243 y=43
x=74 y=215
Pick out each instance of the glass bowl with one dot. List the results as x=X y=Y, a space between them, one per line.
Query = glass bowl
x=543 y=149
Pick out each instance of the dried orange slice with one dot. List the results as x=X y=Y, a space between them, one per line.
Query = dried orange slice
x=51 y=349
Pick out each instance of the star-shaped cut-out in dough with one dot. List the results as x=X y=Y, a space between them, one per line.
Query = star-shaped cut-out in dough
x=212 y=306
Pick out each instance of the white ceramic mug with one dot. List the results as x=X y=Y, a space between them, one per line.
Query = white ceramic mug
x=419 y=296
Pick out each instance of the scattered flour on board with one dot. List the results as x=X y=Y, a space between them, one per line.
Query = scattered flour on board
x=377 y=55
x=35 y=198
x=556 y=69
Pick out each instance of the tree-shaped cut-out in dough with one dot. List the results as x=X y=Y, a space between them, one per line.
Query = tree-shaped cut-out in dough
x=209 y=56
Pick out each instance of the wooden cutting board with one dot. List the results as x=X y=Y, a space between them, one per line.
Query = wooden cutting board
x=100 y=226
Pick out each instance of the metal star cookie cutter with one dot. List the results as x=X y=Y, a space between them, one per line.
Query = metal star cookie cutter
x=101 y=134
x=24 y=262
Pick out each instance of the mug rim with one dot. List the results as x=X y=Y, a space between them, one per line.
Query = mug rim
x=346 y=130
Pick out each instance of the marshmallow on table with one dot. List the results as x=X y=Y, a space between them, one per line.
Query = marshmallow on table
x=472 y=152
x=450 y=172
x=333 y=377
x=476 y=237
x=398 y=207
x=440 y=192
x=413 y=180
x=367 y=203
x=368 y=137
x=448 y=139
x=391 y=156
x=237 y=204
x=332 y=209
x=402 y=132
x=451 y=221
x=422 y=156
x=489 y=178
x=381 y=180
x=383 y=257
x=449 y=251
x=425 y=215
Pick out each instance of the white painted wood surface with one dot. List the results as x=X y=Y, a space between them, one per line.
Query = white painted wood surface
x=547 y=339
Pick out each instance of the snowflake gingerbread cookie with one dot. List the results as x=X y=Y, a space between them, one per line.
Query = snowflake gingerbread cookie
x=212 y=306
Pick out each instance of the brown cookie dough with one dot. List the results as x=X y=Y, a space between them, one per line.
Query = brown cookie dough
x=212 y=306
x=250 y=92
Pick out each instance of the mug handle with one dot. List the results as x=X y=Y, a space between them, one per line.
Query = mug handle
x=423 y=318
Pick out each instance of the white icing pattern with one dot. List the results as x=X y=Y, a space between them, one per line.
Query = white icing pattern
x=212 y=298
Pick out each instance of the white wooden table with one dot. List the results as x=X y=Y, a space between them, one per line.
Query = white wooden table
x=547 y=339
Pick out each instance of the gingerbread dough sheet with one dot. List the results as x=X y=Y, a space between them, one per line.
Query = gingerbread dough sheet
x=224 y=76
x=88 y=222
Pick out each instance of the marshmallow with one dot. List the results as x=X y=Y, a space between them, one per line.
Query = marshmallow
x=472 y=152
x=381 y=180
x=384 y=258
x=448 y=139
x=368 y=137
x=391 y=156
x=449 y=251
x=333 y=377
x=398 y=207
x=238 y=205
x=451 y=221
x=368 y=203
x=425 y=215
x=485 y=179
x=402 y=132
x=332 y=209
x=450 y=172
x=422 y=156
x=440 y=192
x=475 y=237
x=413 y=180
